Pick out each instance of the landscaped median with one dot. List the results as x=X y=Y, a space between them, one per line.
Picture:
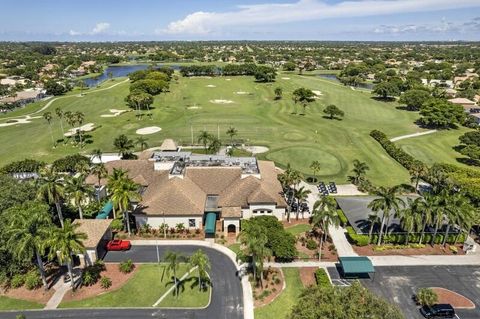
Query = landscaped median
x=147 y=285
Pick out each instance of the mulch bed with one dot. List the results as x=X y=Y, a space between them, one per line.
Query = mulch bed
x=307 y=275
x=328 y=254
x=294 y=222
x=118 y=280
x=456 y=300
x=427 y=250
x=38 y=295
x=275 y=288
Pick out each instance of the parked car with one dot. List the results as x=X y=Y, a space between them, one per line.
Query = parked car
x=438 y=311
x=118 y=245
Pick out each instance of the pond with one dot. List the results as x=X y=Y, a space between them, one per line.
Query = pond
x=119 y=71
x=333 y=77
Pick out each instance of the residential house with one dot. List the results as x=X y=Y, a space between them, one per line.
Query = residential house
x=98 y=233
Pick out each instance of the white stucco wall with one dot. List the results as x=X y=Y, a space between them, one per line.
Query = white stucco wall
x=171 y=221
x=231 y=221
x=277 y=212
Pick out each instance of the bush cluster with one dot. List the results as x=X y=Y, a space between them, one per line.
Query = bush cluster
x=91 y=274
x=321 y=278
x=405 y=159
x=126 y=266
x=311 y=244
x=342 y=217
x=32 y=280
x=105 y=282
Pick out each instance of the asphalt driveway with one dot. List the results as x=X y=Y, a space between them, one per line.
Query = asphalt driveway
x=399 y=283
x=227 y=295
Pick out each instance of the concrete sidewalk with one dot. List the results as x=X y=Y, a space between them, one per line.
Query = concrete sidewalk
x=425 y=260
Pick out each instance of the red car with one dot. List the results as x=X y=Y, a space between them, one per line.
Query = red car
x=118 y=244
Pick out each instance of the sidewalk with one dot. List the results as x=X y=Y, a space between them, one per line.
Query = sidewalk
x=344 y=248
x=424 y=260
x=61 y=289
x=301 y=264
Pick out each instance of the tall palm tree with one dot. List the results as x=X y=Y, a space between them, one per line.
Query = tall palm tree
x=301 y=194
x=254 y=242
x=231 y=132
x=79 y=118
x=458 y=211
x=124 y=145
x=262 y=252
x=142 y=141
x=214 y=145
x=417 y=170
x=51 y=189
x=173 y=260
x=359 y=170
x=123 y=194
x=387 y=200
x=315 y=167
x=60 y=114
x=410 y=217
x=100 y=172
x=114 y=179
x=204 y=137
x=427 y=206
x=48 y=117
x=65 y=242
x=78 y=191
x=325 y=215
x=28 y=231
x=372 y=220
x=97 y=153
x=200 y=260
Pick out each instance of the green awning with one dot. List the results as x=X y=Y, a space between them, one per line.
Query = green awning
x=356 y=265
x=210 y=223
x=103 y=214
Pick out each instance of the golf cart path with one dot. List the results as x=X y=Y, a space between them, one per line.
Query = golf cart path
x=398 y=138
x=46 y=106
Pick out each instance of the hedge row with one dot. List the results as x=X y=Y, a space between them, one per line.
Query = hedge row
x=405 y=159
x=342 y=217
x=322 y=278
x=399 y=239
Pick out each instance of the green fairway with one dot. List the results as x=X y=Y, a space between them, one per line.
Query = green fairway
x=195 y=104
x=146 y=286
x=280 y=308
x=7 y=303
x=436 y=147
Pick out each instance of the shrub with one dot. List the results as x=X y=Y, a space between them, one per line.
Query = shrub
x=90 y=275
x=17 y=281
x=354 y=238
x=342 y=217
x=126 y=266
x=116 y=225
x=33 y=280
x=321 y=278
x=105 y=282
x=426 y=297
x=311 y=244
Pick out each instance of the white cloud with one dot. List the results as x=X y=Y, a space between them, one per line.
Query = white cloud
x=101 y=27
x=74 y=33
x=273 y=13
x=442 y=27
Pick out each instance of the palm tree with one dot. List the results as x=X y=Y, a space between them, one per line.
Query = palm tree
x=301 y=194
x=387 y=201
x=254 y=243
x=65 y=242
x=325 y=215
x=97 y=153
x=427 y=206
x=124 y=145
x=28 y=230
x=48 y=117
x=200 y=260
x=79 y=118
x=78 y=191
x=410 y=217
x=204 y=137
x=60 y=114
x=142 y=141
x=359 y=170
x=315 y=167
x=231 y=132
x=214 y=145
x=372 y=220
x=115 y=179
x=417 y=170
x=173 y=261
x=99 y=171
x=51 y=189
x=124 y=192
x=458 y=211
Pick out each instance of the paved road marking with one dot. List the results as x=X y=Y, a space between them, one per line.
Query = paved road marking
x=173 y=287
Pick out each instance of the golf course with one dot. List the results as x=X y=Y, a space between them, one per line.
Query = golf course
x=215 y=104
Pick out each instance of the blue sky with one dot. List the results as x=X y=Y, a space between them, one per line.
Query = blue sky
x=116 y=20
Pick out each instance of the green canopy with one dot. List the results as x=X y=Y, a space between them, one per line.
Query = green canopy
x=210 y=223
x=103 y=214
x=356 y=265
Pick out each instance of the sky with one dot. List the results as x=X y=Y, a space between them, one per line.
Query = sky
x=149 y=20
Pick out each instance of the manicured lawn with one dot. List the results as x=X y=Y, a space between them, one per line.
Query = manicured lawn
x=298 y=229
x=259 y=119
x=280 y=308
x=235 y=248
x=191 y=297
x=142 y=290
x=7 y=303
x=435 y=147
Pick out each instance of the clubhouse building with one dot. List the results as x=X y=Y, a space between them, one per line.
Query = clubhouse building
x=209 y=192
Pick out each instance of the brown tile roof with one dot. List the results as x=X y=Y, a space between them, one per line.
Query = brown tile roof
x=94 y=229
x=213 y=180
x=232 y=212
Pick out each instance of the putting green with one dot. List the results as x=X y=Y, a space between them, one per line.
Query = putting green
x=330 y=164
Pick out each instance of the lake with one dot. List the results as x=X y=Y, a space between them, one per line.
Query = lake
x=333 y=77
x=119 y=71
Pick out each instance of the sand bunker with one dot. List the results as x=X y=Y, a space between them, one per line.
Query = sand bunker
x=194 y=107
x=221 y=101
x=285 y=78
x=242 y=93
x=27 y=119
x=211 y=86
x=114 y=112
x=148 y=130
x=228 y=79
x=317 y=93
x=256 y=149
x=84 y=128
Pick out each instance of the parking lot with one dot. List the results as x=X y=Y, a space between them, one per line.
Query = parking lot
x=398 y=284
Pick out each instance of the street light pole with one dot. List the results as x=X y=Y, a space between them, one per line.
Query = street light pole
x=164 y=226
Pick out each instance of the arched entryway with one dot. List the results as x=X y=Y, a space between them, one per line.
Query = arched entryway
x=231 y=229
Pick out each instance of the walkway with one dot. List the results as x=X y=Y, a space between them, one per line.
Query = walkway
x=61 y=289
x=398 y=138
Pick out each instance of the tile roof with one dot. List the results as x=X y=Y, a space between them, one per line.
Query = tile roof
x=94 y=229
x=232 y=212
